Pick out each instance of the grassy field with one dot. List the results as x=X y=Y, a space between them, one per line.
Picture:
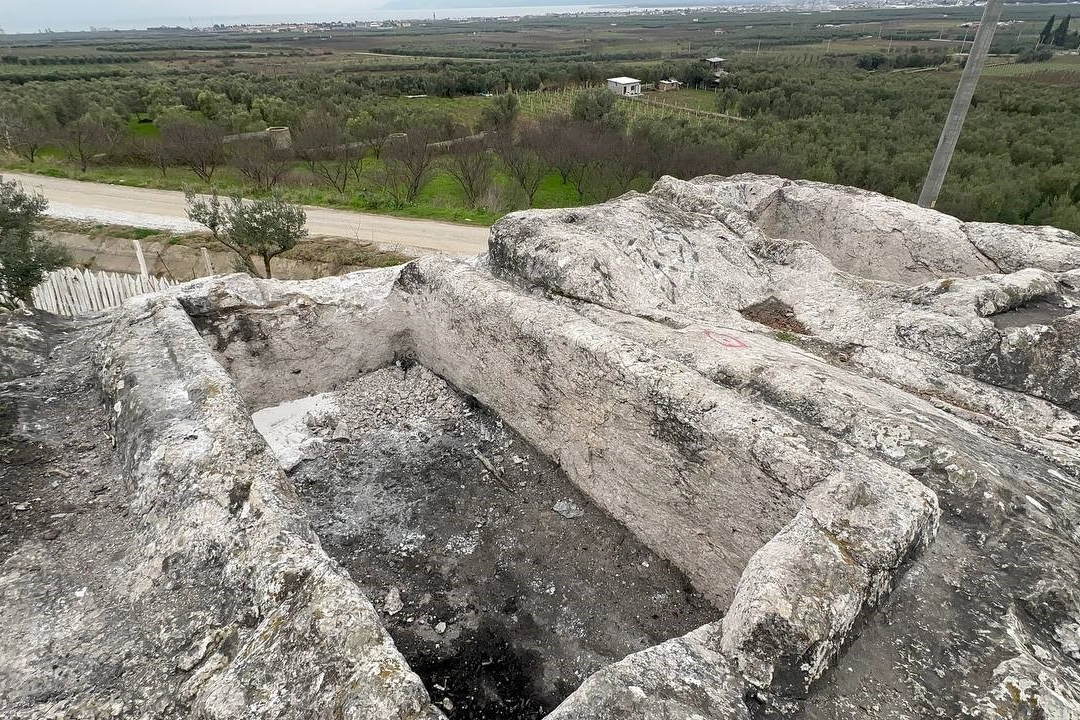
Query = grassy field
x=1059 y=65
x=441 y=198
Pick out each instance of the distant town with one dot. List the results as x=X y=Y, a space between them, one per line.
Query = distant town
x=412 y=18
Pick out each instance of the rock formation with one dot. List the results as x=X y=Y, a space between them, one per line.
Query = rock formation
x=850 y=422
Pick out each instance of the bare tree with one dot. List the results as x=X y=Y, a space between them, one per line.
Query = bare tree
x=472 y=165
x=153 y=151
x=408 y=162
x=260 y=162
x=573 y=148
x=322 y=142
x=690 y=161
x=194 y=144
x=556 y=149
x=523 y=160
x=27 y=128
x=373 y=128
x=621 y=163
x=93 y=134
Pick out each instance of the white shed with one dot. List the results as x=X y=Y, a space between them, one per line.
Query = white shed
x=624 y=86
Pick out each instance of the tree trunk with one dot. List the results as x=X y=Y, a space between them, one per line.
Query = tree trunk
x=266 y=264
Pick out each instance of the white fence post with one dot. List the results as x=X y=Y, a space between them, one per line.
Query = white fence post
x=142 y=258
x=68 y=291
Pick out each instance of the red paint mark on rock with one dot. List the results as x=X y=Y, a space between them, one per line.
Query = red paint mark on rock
x=728 y=341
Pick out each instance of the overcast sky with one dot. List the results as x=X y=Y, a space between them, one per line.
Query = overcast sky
x=21 y=16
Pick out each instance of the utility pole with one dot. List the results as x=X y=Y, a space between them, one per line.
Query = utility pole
x=961 y=102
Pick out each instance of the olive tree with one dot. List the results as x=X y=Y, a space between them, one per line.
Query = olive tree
x=266 y=227
x=598 y=106
x=501 y=114
x=26 y=255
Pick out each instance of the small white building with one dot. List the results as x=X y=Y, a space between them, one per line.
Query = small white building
x=669 y=85
x=624 y=86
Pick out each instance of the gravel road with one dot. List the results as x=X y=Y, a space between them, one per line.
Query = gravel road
x=165 y=209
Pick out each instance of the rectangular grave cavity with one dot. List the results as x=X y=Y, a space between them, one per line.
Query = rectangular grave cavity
x=500 y=582
x=525 y=496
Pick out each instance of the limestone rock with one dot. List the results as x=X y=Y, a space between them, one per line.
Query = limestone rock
x=681 y=679
x=392 y=604
x=202 y=474
x=852 y=423
x=802 y=593
x=861 y=232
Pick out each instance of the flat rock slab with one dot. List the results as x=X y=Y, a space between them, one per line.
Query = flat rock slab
x=82 y=636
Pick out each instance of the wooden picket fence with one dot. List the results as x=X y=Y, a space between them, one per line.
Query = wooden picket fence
x=72 y=291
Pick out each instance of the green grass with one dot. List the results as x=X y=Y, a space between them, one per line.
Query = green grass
x=465 y=110
x=690 y=98
x=142 y=129
x=1059 y=63
x=440 y=199
x=554 y=193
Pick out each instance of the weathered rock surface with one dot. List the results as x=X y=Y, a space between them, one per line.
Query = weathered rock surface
x=680 y=679
x=849 y=421
x=207 y=595
x=282 y=341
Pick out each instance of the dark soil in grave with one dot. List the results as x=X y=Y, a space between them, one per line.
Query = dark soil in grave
x=1042 y=311
x=507 y=605
x=776 y=314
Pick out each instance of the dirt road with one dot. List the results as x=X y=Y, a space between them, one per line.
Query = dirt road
x=165 y=209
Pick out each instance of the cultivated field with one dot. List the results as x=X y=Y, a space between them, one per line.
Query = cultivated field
x=854 y=96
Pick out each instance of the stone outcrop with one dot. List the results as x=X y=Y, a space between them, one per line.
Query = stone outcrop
x=849 y=421
x=210 y=487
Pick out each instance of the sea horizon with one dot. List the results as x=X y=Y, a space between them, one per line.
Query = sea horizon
x=106 y=24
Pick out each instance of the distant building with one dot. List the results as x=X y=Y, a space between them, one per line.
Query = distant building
x=624 y=86
x=668 y=85
x=716 y=65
